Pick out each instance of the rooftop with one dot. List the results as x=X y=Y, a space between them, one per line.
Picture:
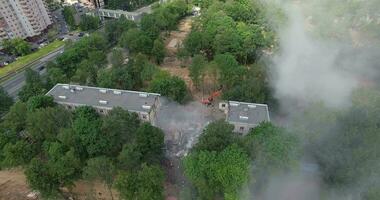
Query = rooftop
x=103 y=97
x=247 y=113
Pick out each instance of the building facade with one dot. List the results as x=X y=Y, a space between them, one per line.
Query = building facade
x=23 y=18
x=144 y=104
x=244 y=116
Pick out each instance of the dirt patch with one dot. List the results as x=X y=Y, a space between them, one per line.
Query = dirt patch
x=13 y=185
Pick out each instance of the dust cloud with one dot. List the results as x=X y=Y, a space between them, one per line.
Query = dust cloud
x=310 y=68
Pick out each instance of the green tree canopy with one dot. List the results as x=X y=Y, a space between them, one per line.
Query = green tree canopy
x=5 y=102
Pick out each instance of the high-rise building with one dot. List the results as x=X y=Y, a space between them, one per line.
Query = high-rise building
x=23 y=18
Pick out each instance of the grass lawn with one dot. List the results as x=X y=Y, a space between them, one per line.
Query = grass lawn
x=21 y=62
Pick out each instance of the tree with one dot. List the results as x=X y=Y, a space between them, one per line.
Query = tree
x=150 y=143
x=170 y=86
x=136 y=41
x=271 y=147
x=19 y=153
x=33 y=86
x=5 y=102
x=17 y=47
x=119 y=127
x=68 y=13
x=158 y=50
x=117 y=58
x=213 y=173
x=40 y=101
x=146 y=184
x=115 y=28
x=89 y=23
x=60 y=169
x=101 y=168
x=216 y=137
x=44 y=124
x=15 y=119
x=87 y=125
x=196 y=69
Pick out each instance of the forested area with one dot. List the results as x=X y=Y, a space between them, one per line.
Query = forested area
x=58 y=147
x=227 y=43
x=222 y=162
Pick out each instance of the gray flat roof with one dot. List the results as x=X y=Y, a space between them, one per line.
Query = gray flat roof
x=247 y=113
x=103 y=97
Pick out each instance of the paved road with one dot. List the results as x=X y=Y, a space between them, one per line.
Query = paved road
x=14 y=84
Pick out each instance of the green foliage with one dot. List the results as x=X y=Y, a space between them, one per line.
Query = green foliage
x=101 y=168
x=145 y=184
x=19 y=153
x=119 y=127
x=89 y=23
x=80 y=62
x=196 y=69
x=33 y=86
x=60 y=169
x=44 y=124
x=68 y=13
x=215 y=173
x=40 y=101
x=235 y=27
x=115 y=28
x=17 y=47
x=271 y=147
x=5 y=102
x=150 y=143
x=15 y=119
x=158 y=50
x=216 y=137
x=135 y=40
x=170 y=86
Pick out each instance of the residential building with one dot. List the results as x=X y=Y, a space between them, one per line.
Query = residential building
x=105 y=99
x=23 y=18
x=244 y=116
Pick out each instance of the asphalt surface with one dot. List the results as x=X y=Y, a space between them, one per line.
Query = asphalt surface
x=15 y=83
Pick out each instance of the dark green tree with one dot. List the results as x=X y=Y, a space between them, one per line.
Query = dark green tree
x=5 y=102
x=158 y=50
x=216 y=137
x=146 y=184
x=89 y=23
x=33 y=86
x=170 y=86
x=101 y=168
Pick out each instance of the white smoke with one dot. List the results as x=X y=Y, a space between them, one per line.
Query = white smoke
x=306 y=69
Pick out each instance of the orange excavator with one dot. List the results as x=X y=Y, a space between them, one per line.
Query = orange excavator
x=211 y=98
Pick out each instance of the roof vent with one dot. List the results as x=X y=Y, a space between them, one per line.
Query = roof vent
x=65 y=87
x=146 y=107
x=116 y=92
x=103 y=91
x=243 y=117
x=251 y=106
x=103 y=102
x=62 y=97
x=234 y=104
x=79 y=88
x=143 y=95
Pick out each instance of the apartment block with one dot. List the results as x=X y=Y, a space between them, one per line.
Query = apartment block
x=144 y=104
x=23 y=18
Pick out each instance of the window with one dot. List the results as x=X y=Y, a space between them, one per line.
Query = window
x=223 y=105
x=144 y=116
x=69 y=107
x=241 y=128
